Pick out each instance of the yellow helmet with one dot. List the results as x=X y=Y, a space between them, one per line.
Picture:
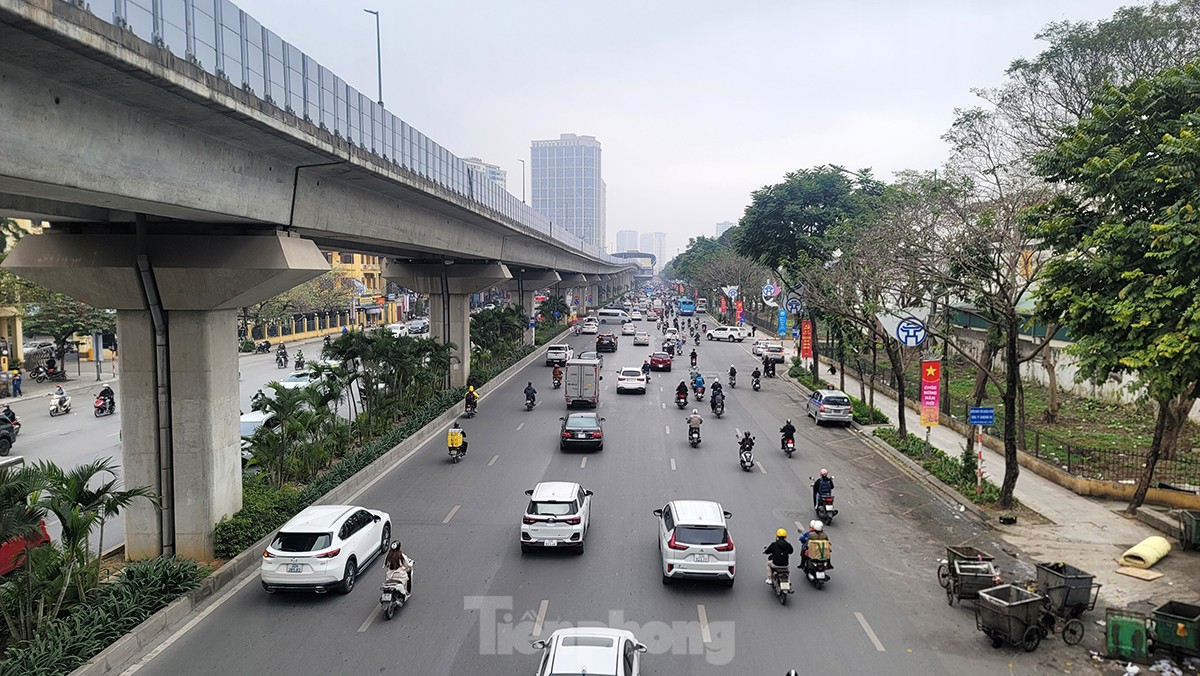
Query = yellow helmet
x=471 y=388
x=781 y=533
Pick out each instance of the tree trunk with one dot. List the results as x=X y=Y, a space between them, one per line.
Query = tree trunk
x=1050 y=415
x=1021 y=415
x=894 y=356
x=874 y=368
x=1172 y=416
x=862 y=381
x=990 y=348
x=1012 y=378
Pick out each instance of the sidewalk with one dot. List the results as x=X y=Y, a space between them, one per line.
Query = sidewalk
x=1086 y=533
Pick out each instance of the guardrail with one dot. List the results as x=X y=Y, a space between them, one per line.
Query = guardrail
x=225 y=41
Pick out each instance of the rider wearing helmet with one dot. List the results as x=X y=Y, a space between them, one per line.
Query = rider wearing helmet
x=694 y=422
x=816 y=531
x=822 y=486
x=746 y=442
x=472 y=398
x=682 y=389
x=788 y=431
x=777 y=553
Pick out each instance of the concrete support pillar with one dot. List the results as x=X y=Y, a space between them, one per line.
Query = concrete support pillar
x=449 y=288
x=573 y=283
x=179 y=429
x=526 y=283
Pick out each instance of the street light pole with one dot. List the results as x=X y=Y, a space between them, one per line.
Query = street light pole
x=378 y=53
x=522 y=179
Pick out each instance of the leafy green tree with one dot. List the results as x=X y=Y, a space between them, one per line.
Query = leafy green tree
x=497 y=330
x=59 y=316
x=553 y=304
x=1124 y=274
x=331 y=291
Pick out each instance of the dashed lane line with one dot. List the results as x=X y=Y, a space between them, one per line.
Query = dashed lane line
x=493 y=460
x=672 y=464
x=541 y=618
x=705 y=635
x=870 y=632
x=451 y=515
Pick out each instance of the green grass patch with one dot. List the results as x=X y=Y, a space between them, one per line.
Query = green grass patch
x=956 y=472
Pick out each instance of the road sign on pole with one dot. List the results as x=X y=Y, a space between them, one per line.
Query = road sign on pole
x=794 y=306
x=981 y=415
x=782 y=329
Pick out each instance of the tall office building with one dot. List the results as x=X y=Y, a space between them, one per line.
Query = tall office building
x=493 y=172
x=723 y=226
x=627 y=240
x=567 y=188
x=655 y=243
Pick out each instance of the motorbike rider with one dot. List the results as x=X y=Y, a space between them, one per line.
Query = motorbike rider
x=557 y=374
x=472 y=398
x=816 y=531
x=397 y=568
x=60 y=395
x=682 y=390
x=697 y=383
x=456 y=437
x=746 y=443
x=694 y=422
x=256 y=400
x=778 y=553
x=822 y=486
x=646 y=369
x=693 y=356
x=530 y=393
x=704 y=327
x=281 y=355
x=732 y=373
x=299 y=358
x=756 y=374
x=718 y=395
x=106 y=393
x=789 y=432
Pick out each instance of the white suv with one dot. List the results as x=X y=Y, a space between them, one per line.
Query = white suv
x=559 y=354
x=593 y=650
x=324 y=547
x=694 y=542
x=730 y=333
x=558 y=515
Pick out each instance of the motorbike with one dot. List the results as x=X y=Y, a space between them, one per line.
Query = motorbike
x=299 y=363
x=41 y=374
x=825 y=510
x=557 y=383
x=281 y=360
x=681 y=400
x=718 y=407
x=393 y=597
x=746 y=457
x=699 y=392
x=789 y=446
x=457 y=452
x=733 y=380
x=470 y=409
x=104 y=406
x=781 y=582
x=16 y=425
x=59 y=405
x=816 y=571
x=693 y=362
x=262 y=348
x=529 y=403
x=755 y=384
x=694 y=436
x=696 y=337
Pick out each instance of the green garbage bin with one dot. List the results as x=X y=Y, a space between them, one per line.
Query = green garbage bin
x=1189 y=528
x=1177 y=628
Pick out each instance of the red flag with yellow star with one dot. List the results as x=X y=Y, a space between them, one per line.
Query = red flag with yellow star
x=931 y=384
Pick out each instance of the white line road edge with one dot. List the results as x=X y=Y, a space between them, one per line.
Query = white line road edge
x=870 y=632
x=541 y=618
x=450 y=515
x=705 y=635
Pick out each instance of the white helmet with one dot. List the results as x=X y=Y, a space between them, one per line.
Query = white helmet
x=695 y=411
x=817 y=526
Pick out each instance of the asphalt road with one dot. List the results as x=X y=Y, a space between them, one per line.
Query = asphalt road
x=80 y=437
x=478 y=602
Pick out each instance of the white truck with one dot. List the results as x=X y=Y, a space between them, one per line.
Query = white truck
x=581 y=383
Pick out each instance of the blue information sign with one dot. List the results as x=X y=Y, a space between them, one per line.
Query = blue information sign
x=981 y=415
x=782 y=330
x=795 y=332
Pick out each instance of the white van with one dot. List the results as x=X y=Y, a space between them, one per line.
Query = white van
x=610 y=316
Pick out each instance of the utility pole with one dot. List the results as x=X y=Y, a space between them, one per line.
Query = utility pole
x=522 y=179
x=378 y=53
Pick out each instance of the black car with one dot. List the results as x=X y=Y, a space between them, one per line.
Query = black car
x=582 y=430
x=8 y=436
x=606 y=342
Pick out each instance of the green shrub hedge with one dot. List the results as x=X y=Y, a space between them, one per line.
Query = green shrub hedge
x=863 y=414
x=111 y=611
x=958 y=473
x=265 y=508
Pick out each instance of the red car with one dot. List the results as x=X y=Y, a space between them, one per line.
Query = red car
x=660 y=361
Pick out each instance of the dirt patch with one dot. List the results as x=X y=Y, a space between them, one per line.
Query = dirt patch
x=1025 y=517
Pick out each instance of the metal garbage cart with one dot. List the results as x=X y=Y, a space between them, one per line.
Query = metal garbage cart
x=1067 y=592
x=959 y=553
x=1177 y=628
x=968 y=578
x=1189 y=528
x=1008 y=612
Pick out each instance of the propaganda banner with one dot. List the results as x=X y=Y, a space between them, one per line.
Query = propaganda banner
x=931 y=384
x=806 y=339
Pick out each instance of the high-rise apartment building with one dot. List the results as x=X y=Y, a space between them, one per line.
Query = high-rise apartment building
x=493 y=172
x=627 y=240
x=655 y=243
x=723 y=226
x=567 y=187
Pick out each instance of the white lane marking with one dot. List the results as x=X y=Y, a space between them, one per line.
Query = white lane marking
x=668 y=429
x=113 y=434
x=672 y=464
x=870 y=632
x=541 y=618
x=705 y=635
x=493 y=460
x=761 y=468
x=583 y=463
x=520 y=426
x=664 y=407
x=367 y=622
x=451 y=514
x=250 y=577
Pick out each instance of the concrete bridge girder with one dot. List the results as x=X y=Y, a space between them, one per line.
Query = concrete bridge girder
x=178 y=390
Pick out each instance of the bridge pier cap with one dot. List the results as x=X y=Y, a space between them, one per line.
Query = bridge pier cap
x=184 y=446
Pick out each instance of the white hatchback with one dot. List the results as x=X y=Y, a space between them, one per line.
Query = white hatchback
x=324 y=547
x=635 y=316
x=590 y=327
x=759 y=346
x=592 y=650
x=628 y=329
x=558 y=516
x=641 y=338
x=630 y=379
x=296 y=380
x=694 y=541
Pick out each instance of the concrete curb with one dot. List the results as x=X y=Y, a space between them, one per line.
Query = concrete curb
x=116 y=656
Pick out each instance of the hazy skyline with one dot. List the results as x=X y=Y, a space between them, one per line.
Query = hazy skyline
x=695 y=103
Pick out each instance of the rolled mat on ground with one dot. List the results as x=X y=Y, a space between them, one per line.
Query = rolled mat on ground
x=1145 y=553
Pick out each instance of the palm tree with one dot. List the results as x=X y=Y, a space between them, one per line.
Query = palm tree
x=286 y=405
x=551 y=305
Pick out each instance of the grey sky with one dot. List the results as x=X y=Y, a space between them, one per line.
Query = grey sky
x=696 y=103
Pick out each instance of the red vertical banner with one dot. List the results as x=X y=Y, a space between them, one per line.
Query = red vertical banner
x=740 y=316
x=931 y=390
x=722 y=304
x=806 y=338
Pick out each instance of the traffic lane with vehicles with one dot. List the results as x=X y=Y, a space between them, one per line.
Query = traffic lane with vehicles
x=461 y=523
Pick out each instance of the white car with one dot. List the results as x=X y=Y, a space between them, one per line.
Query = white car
x=592 y=650
x=324 y=547
x=558 y=516
x=694 y=542
x=631 y=379
x=296 y=380
x=559 y=354
x=759 y=346
x=590 y=328
x=672 y=332
x=249 y=424
x=628 y=329
x=641 y=338
x=729 y=333
x=635 y=316
x=398 y=330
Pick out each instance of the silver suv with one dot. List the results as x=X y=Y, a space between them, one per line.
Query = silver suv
x=694 y=542
x=830 y=406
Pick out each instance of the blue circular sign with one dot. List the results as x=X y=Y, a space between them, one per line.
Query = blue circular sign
x=911 y=332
